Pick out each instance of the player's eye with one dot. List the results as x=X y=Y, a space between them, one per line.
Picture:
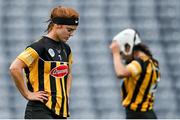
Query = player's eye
x=70 y=30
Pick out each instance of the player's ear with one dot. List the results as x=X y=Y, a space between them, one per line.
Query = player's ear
x=58 y=26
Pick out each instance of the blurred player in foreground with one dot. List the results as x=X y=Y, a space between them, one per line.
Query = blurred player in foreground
x=140 y=74
x=47 y=64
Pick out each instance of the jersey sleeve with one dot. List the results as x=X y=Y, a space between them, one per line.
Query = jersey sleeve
x=70 y=60
x=28 y=56
x=135 y=68
x=69 y=53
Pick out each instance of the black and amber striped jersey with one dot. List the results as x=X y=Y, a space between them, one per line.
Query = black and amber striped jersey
x=138 y=90
x=48 y=64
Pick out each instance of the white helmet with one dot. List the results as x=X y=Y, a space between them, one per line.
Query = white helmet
x=127 y=37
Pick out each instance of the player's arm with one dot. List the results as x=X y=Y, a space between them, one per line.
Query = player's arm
x=120 y=69
x=69 y=82
x=16 y=71
x=69 y=79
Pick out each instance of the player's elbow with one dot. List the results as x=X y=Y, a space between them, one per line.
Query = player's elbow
x=12 y=69
x=16 y=66
x=122 y=74
x=119 y=76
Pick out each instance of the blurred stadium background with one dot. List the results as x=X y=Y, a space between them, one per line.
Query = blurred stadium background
x=95 y=90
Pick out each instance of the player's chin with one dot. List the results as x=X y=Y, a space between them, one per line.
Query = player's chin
x=127 y=58
x=65 y=40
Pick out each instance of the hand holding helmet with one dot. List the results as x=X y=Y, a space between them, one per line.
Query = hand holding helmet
x=126 y=40
x=114 y=47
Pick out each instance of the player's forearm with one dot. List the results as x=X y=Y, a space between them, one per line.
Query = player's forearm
x=69 y=82
x=17 y=74
x=119 y=67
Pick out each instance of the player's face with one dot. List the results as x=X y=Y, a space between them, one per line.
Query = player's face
x=65 y=32
x=127 y=58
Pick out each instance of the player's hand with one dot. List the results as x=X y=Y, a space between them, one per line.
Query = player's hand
x=38 y=96
x=114 y=47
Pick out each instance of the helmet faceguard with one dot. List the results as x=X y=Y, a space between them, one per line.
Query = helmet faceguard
x=127 y=37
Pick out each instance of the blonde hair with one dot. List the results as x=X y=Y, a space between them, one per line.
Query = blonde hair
x=61 y=11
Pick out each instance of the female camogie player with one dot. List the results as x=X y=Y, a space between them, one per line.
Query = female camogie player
x=47 y=65
x=140 y=74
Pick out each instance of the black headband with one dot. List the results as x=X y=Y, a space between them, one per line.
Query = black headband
x=65 y=21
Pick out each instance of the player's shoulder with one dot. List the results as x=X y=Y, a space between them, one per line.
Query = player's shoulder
x=139 y=60
x=66 y=45
x=142 y=61
x=67 y=48
x=37 y=45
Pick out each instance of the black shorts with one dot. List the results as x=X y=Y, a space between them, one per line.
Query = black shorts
x=130 y=114
x=38 y=110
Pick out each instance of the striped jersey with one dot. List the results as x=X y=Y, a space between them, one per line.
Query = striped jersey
x=48 y=63
x=138 y=90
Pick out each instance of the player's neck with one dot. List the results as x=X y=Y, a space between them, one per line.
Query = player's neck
x=53 y=36
x=140 y=54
